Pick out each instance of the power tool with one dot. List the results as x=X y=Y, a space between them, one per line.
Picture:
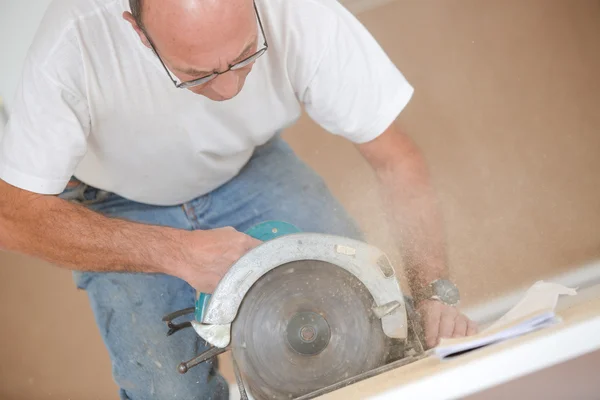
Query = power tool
x=305 y=314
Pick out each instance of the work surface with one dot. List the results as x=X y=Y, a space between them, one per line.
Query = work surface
x=430 y=378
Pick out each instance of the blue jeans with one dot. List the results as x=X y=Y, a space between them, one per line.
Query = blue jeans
x=274 y=185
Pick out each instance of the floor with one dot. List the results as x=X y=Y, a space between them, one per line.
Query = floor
x=506 y=112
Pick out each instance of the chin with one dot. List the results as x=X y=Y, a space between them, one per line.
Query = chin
x=212 y=95
x=216 y=97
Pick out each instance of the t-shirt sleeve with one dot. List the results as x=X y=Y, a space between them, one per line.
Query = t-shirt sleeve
x=46 y=134
x=356 y=91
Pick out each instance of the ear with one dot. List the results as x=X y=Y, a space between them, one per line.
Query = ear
x=127 y=16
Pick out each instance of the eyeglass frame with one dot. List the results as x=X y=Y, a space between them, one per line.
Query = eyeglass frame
x=232 y=67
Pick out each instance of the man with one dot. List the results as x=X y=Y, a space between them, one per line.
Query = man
x=168 y=117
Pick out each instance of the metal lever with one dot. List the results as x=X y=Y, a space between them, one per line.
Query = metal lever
x=386 y=309
x=173 y=327
x=207 y=355
x=239 y=379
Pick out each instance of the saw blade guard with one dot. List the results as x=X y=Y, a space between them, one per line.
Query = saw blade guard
x=304 y=326
x=365 y=262
x=264 y=232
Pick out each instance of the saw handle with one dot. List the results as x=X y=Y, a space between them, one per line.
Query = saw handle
x=264 y=232
x=202 y=300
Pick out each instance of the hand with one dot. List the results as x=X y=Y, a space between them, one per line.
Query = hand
x=443 y=321
x=207 y=255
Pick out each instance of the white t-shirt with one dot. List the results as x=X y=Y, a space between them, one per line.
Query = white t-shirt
x=94 y=102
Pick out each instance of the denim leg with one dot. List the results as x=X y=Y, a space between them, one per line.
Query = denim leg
x=128 y=309
x=276 y=185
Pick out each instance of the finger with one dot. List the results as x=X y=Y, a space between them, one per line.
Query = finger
x=447 y=322
x=460 y=326
x=431 y=321
x=472 y=328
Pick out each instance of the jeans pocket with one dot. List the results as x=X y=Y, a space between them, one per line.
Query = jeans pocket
x=82 y=279
x=81 y=193
x=73 y=190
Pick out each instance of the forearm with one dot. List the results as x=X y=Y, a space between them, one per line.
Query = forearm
x=417 y=220
x=411 y=204
x=73 y=236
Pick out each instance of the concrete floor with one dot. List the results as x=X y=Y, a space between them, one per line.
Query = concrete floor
x=506 y=111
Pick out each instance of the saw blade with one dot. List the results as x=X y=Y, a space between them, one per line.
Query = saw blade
x=303 y=326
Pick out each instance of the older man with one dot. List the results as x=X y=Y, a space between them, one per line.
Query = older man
x=168 y=173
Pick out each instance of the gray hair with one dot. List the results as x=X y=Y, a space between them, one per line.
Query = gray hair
x=136 y=11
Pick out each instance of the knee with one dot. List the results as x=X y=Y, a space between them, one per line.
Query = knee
x=164 y=382
x=176 y=386
x=147 y=368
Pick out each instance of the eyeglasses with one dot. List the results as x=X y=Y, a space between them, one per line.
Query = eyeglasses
x=239 y=65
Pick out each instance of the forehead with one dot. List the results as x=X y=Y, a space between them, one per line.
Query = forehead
x=197 y=32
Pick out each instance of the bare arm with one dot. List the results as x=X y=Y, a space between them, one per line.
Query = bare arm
x=406 y=187
x=72 y=236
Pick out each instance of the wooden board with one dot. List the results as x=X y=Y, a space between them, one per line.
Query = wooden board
x=430 y=378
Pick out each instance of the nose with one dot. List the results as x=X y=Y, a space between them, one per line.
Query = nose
x=226 y=85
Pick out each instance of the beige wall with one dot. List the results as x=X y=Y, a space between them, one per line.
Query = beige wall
x=506 y=111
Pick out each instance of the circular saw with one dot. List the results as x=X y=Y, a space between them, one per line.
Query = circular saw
x=304 y=314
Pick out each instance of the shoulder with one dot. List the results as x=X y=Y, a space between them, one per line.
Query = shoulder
x=304 y=32
x=63 y=24
x=307 y=28
x=305 y=15
x=299 y=32
x=59 y=42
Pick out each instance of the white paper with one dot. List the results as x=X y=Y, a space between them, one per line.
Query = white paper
x=542 y=296
x=535 y=311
